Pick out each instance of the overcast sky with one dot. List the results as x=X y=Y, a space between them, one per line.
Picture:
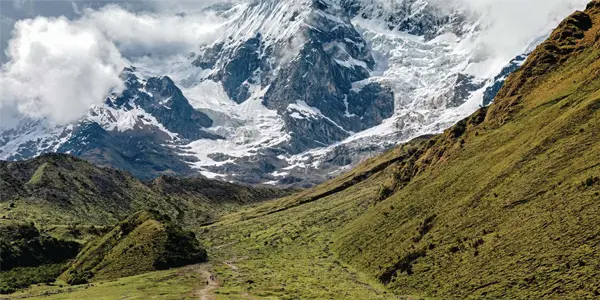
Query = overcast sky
x=13 y=10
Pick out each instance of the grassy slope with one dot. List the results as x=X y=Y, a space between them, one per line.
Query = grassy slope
x=512 y=208
x=170 y=284
x=288 y=255
x=59 y=189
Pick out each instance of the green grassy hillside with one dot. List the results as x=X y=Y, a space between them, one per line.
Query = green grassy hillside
x=58 y=189
x=144 y=242
x=174 y=284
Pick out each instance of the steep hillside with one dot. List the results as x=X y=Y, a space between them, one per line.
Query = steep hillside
x=61 y=189
x=144 y=242
x=505 y=204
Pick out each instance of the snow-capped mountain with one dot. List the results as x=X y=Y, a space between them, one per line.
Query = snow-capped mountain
x=291 y=90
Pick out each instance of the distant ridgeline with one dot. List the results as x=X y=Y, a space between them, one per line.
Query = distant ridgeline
x=61 y=189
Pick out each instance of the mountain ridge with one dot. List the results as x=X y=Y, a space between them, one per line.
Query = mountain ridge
x=60 y=189
x=290 y=105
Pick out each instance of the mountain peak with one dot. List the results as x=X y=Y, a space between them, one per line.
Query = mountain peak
x=286 y=92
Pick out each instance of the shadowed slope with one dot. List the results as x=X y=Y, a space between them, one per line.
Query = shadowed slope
x=60 y=189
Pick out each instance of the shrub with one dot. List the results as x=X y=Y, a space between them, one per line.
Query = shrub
x=384 y=192
x=22 y=245
x=22 y=277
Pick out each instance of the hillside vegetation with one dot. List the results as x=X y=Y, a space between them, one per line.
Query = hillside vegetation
x=67 y=203
x=28 y=256
x=144 y=242
x=60 y=189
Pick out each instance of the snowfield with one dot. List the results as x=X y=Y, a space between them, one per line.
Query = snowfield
x=438 y=76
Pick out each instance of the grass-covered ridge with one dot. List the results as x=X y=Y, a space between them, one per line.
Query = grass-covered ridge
x=144 y=242
x=57 y=189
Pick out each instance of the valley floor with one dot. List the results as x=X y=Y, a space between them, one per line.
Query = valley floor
x=288 y=254
x=279 y=250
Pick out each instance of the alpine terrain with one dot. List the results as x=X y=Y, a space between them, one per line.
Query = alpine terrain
x=489 y=187
x=291 y=93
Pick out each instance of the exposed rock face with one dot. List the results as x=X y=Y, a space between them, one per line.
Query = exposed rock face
x=134 y=131
x=163 y=100
x=141 y=152
x=491 y=91
x=291 y=93
x=313 y=92
x=239 y=73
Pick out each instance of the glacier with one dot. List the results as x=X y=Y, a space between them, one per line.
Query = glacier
x=291 y=93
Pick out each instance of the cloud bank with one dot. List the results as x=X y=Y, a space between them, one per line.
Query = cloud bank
x=153 y=33
x=512 y=27
x=57 y=68
x=509 y=28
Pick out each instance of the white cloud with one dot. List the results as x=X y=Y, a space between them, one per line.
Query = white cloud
x=57 y=69
x=511 y=25
x=185 y=5
x=507 y=28
x=158 y=34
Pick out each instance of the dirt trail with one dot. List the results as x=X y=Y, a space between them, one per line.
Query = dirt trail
x=231 y=265
x=211 y=283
